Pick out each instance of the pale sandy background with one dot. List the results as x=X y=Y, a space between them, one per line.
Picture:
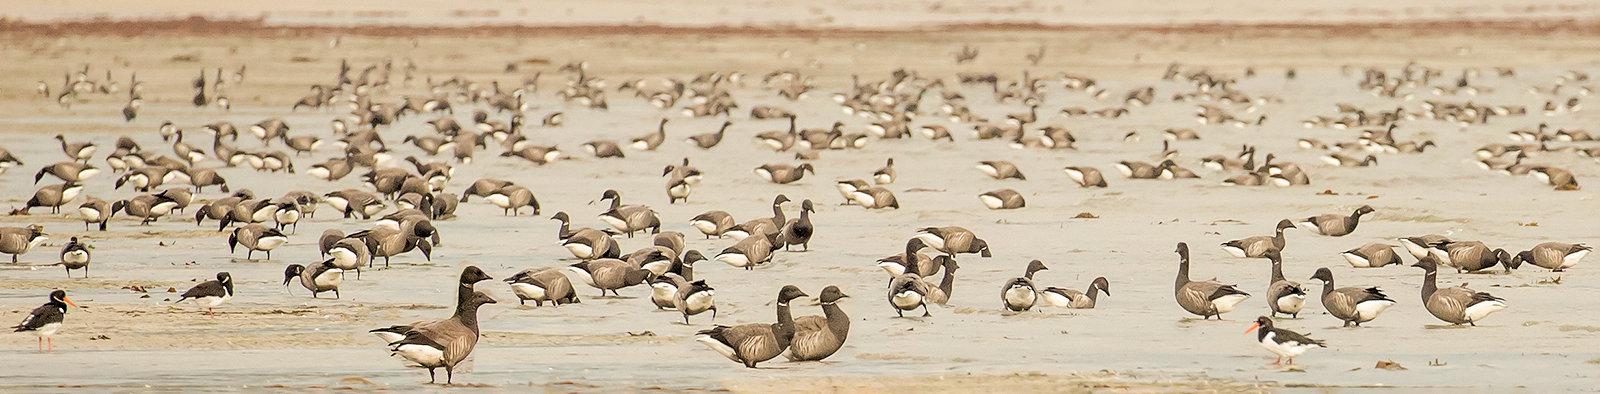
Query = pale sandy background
x=1138 y=339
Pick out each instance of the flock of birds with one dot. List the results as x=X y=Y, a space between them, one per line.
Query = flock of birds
x=403 y=199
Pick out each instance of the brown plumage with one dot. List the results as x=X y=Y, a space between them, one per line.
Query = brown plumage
x=1554 y=256
x=1000 y=169
x=1086 y=176
x=798 y=231
x=1283 y=296
x=1471 y=256
x=817 y=337
x=750 y=344
x=512 y=198
x=610 y=274
x=446 y=343
x=629 y=218
x=52 y=196
x=710 y=140
x=784 y=174
x=1371 y=255
x=585 y=243
x=1002 y=199
x=911 y=260
x=713 y=223
x=1258 y=246
x=953 y=240
x=875 y=197
x=1204 y=298
x=1334 y=225
x=97 y=211
x=18 y=241
x=483 y=187
x=541 y=285
x=1353 y=305
x=1454 y=305
x=1138 y=170
x=1060 y=297
x=603 y=149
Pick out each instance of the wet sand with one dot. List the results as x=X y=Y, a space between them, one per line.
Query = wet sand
x=1137 y=339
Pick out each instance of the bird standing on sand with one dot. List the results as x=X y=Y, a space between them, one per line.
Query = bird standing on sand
x=1334 y=225
x=211 y=293
x=1284 y=343
x=817 y=337
x=753 y=343
x=317 y=278
x=1353 y=305
x=1455 y=305
x=447 y=343
x=1204 y=298
x=75 y=255
x=17 y=241
x=46 y=320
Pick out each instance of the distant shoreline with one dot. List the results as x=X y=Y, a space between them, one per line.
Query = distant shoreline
x=260 y=26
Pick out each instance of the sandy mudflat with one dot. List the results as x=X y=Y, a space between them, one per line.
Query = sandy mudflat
x=1137 y=340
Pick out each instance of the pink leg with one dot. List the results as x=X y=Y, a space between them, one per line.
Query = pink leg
x=50 y=344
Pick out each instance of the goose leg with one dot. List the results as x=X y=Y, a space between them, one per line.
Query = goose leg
x=925 y=311
x=335 y=294
x=449 y=375
x=431 y=379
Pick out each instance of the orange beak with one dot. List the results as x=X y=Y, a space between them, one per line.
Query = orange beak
x=1253 y=327
x=69 y=301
